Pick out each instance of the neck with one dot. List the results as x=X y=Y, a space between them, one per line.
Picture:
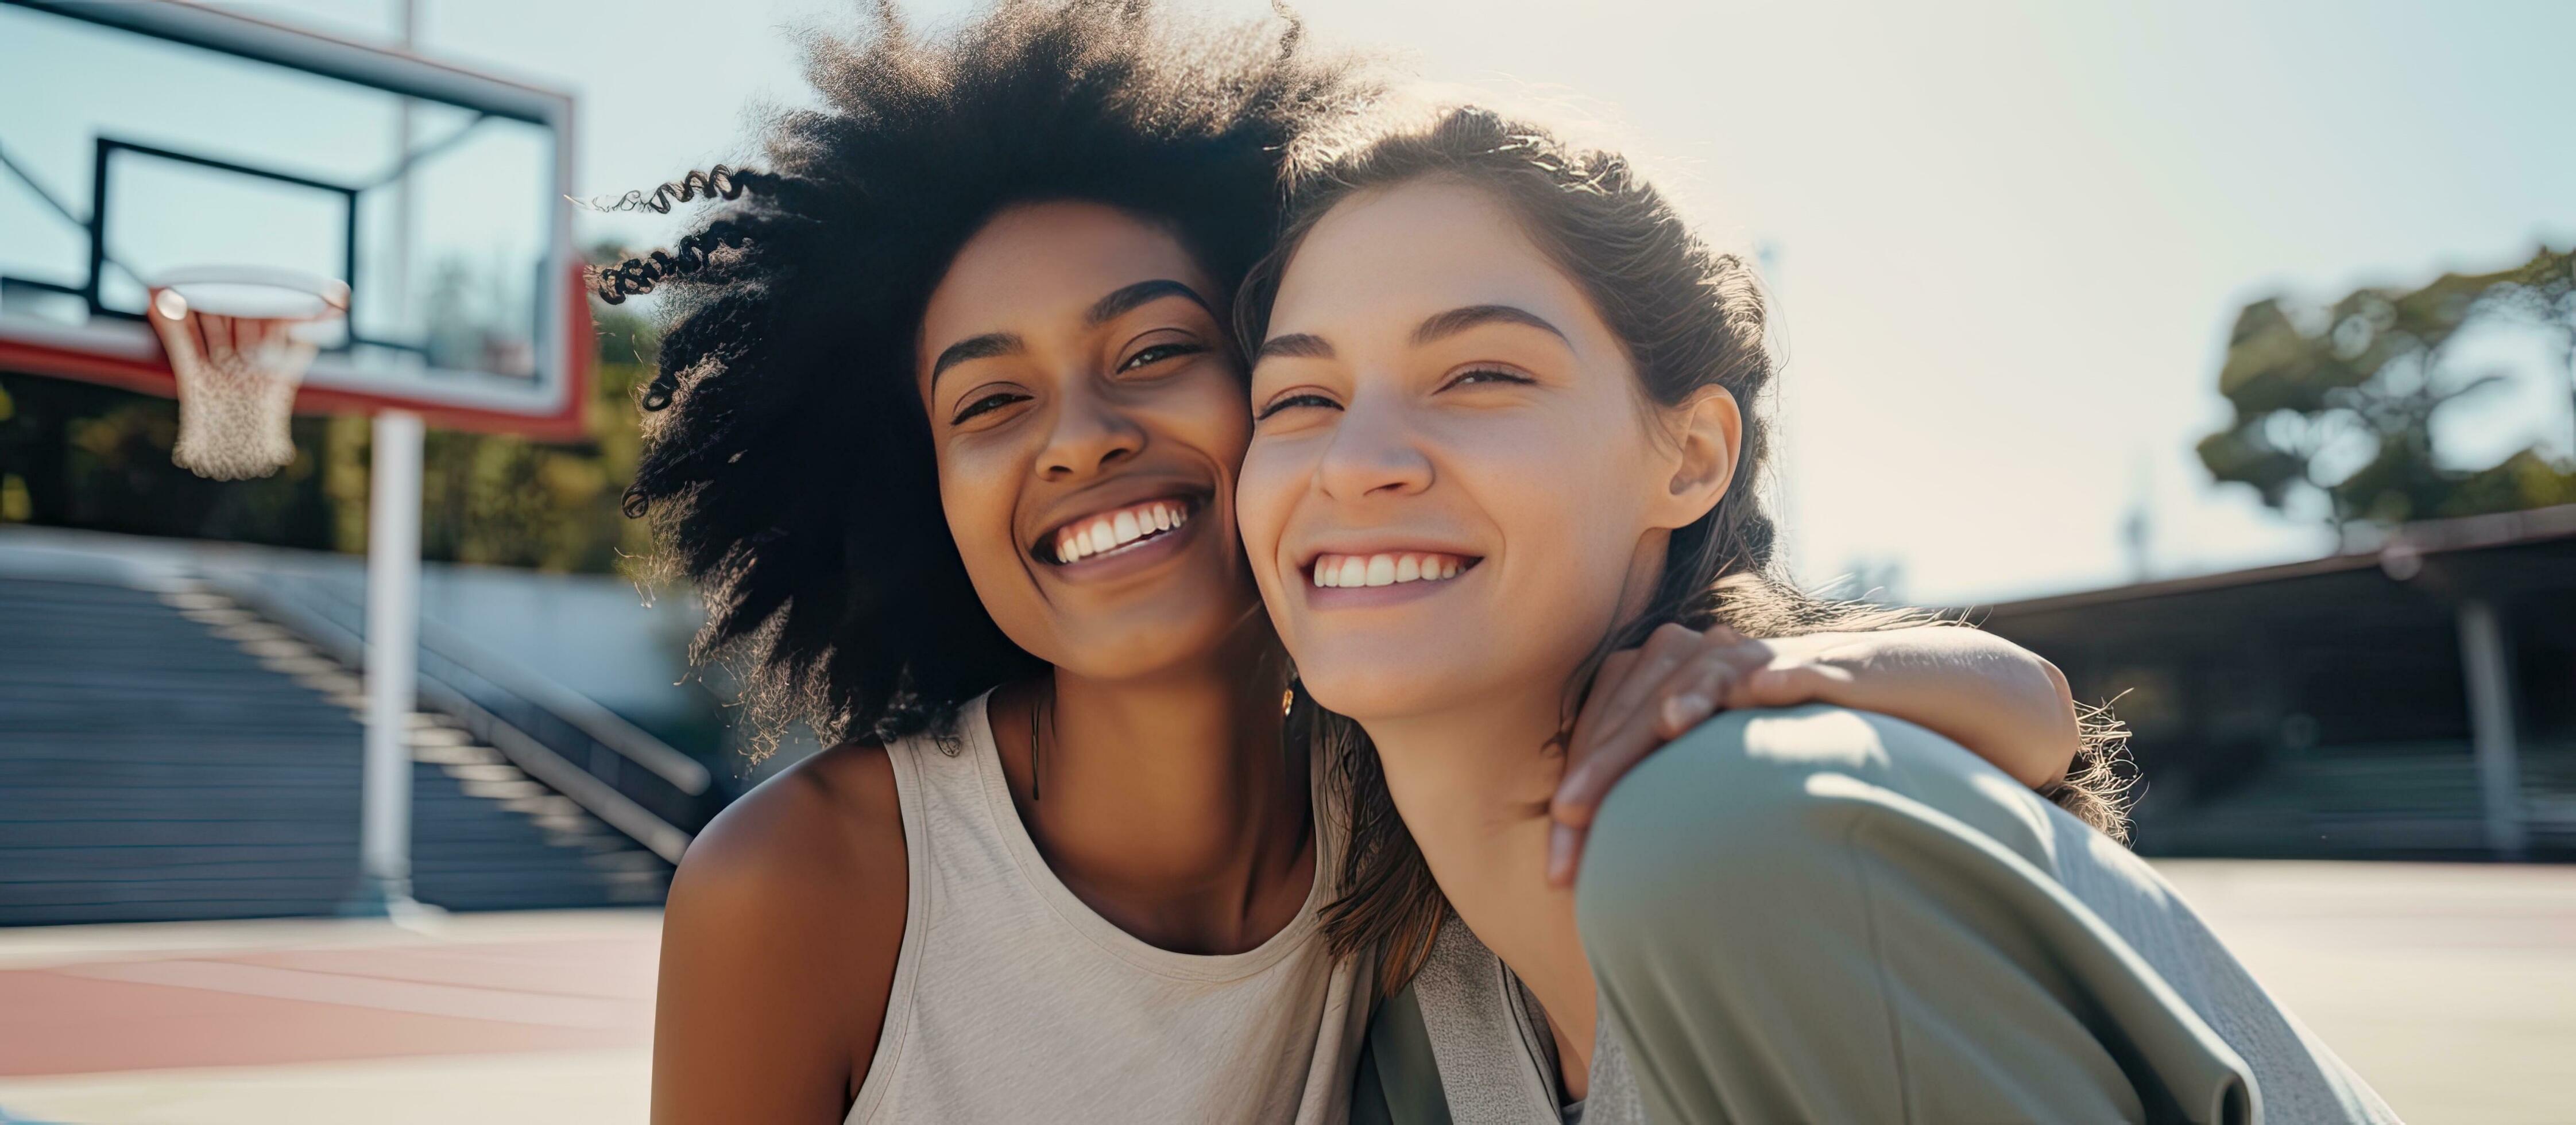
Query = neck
x=1473 y=785
x=1167 y=802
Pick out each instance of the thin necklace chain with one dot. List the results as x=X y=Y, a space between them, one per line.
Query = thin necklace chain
x=1041 y=713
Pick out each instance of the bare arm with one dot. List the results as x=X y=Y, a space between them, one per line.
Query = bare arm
x=778 y=948
x=1998 y=699
x=2004 y=702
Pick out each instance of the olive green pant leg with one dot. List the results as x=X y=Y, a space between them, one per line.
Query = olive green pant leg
x=1821 y=915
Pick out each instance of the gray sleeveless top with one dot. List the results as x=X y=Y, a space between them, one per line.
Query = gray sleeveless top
x=1014 y=1001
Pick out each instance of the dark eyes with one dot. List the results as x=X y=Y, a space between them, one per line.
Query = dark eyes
x=987 y=404
x=1158 y=353
x=1487 y=375
x=1277 y=405
x=1470 y=377
x=1146 y=357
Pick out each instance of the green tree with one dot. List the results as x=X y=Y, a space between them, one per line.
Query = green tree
x=2339 y=402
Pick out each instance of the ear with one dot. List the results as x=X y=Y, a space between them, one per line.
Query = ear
x=1709 y=433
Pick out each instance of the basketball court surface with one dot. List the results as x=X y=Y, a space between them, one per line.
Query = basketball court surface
x=491 y=1018
x=2451 y=987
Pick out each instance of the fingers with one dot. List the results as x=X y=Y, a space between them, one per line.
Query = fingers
x=1786 y=686
x=1666 y=648
x=1614 y=672
x=1564 y=852
x=1685 y=697
x=1699 y=688
x=1661 y=700
x=1625 y=677
x=1618 y=690
x=1642 y=700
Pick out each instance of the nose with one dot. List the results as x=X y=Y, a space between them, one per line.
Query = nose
x=1373 y=453
x=1089 y=435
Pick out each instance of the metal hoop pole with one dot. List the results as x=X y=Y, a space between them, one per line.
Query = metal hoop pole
x=393 y=589
x=393 y=643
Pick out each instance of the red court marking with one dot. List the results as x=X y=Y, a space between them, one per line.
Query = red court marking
x=80 y=1019
x=564 y=968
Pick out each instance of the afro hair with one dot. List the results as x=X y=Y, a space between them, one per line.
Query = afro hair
x=783 y=427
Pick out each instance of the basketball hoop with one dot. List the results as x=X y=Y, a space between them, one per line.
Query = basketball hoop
x=233 y=334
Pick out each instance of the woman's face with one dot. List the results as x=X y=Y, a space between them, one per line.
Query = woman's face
x=1454 y=489
x=1088 y=416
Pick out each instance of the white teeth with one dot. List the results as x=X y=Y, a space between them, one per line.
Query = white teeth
x=1343 y=571
x=1110 y=531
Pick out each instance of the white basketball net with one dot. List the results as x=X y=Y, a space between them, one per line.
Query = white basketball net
x=237 y=379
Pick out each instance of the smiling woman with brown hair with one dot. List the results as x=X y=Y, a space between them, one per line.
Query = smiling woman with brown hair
x=1504 y=366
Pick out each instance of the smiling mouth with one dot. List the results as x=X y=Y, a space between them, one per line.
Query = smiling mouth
x=1387 y=568
x=1114 y=532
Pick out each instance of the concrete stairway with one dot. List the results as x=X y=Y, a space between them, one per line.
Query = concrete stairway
x=168 y=756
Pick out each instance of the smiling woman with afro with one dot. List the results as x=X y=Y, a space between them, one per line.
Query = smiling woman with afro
x=897 y=928
x=785 y=433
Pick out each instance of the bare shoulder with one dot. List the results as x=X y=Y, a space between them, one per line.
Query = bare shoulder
x=779 y=945
x=831 y=821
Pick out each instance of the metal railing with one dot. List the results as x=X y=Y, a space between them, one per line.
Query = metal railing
x=616 y=771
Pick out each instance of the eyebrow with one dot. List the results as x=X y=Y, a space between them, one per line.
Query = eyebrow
x=1437 y=326
x=1440 y=326
x=1119 y=303
x=1133 y=297
x=1295 y=345
x=985 y=346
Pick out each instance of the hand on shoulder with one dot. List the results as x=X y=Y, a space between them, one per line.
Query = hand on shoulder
x=2002 y=702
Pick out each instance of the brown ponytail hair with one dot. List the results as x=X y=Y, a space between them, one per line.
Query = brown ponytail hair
x=1691 y=319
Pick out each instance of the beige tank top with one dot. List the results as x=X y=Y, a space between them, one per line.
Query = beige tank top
x=1014 y=1001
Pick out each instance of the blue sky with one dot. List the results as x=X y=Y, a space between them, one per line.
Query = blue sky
x=2010 y=239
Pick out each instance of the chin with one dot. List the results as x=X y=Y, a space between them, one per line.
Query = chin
x=1147 y=642
x=1365 y=681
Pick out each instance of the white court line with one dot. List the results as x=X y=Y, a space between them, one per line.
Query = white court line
x=45 y=947
x=535 y=1088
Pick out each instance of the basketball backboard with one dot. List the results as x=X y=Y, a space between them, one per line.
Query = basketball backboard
x=146 y=136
